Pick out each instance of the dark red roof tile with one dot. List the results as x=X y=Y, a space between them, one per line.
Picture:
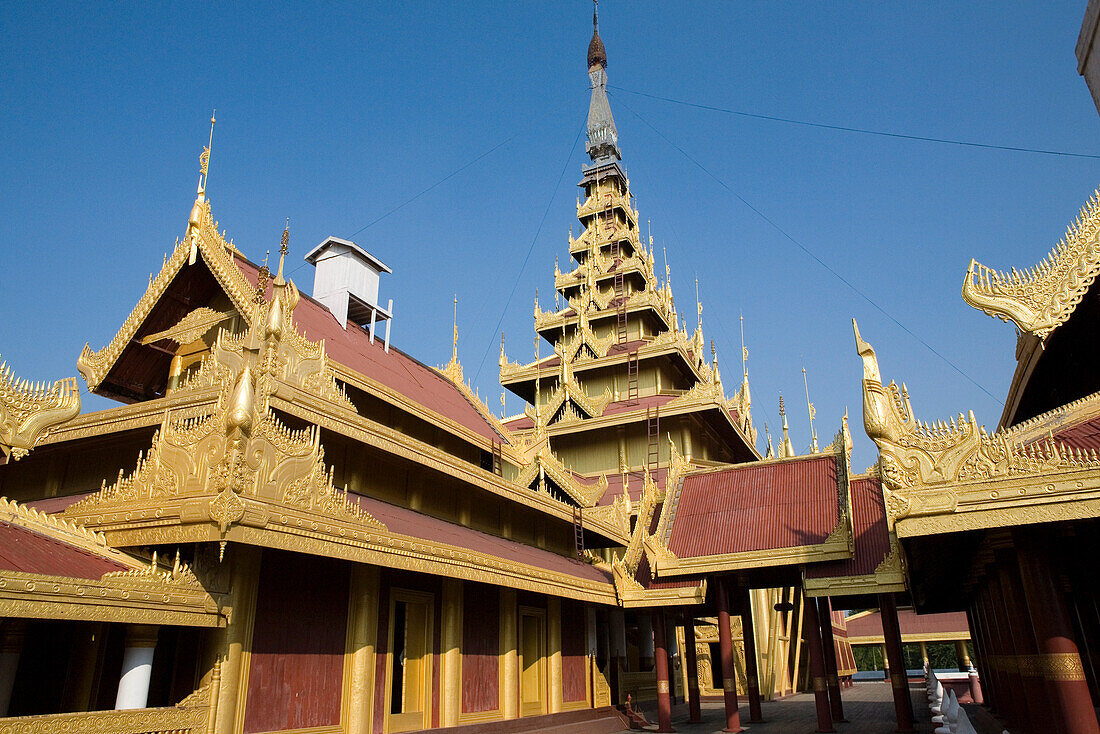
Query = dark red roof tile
x=394 y=369
x=25 y=550
x=872 y=538
x=409 y=522
x=911 y=623
x=752 y=507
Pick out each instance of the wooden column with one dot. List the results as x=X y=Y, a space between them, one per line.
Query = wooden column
x=925 y=662
x=691 y=663
x=617 y=643
x=729 y=669
x=12 y=634
x=988 y=650
x=553 y=643
x=828 y=642
x=1058 y=659
x=645 y=642
x=509 y=633
x=963 y=655
x=244 y=583
x=660 y=663
x=1034 y=703
x=1010 y=689
x=812 y=630
x=899 y=681
x=451 y=654
x=752 y=676
x=364 y=633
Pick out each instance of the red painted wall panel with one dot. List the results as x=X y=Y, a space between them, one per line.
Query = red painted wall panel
x=574 y=681
x=480 y=648
x=296 y=673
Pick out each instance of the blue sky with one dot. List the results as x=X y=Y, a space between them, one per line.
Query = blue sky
x=334 y=115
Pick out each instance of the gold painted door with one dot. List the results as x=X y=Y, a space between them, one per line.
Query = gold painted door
x=409 y=699
x=532 y=662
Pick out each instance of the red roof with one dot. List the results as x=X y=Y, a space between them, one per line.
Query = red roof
x=25 y=550
x=872 y=537
x=409 y=522
x=1084 y=435
x=752 y=507
x=911 y=623
x=396 y=370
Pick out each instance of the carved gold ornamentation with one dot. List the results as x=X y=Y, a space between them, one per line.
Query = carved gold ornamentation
x=1040 y=299
x=192 y=715
x=956 y=476
x=202 y=238
x=28 y=411
x=191 y=327
x=545 y=463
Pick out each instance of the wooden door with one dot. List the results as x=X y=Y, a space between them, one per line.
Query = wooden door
x=409 y=677
x=532 y=662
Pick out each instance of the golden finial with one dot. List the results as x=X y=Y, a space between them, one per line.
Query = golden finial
x=770 y=454
x=698 y=303
x=811 y=410
x=204 y=158
x=713 y=353
x=261 y=280
x=744 y=351
x=503 y=408
x=284 y=247
x=785 y=447
x=454 y=342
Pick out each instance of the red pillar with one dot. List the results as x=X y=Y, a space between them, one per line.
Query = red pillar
x=695 y=714
x=825 y=616
x=811 y=627
x=729 y=672
x=660 y=663
x=899 y=680
x=1058 y=658
x=752 y=684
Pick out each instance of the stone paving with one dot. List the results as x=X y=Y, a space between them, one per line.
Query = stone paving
x=868 y=706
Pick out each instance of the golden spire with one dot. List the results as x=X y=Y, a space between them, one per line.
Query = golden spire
x=204 y=158
x=770 y=454
x=698 y=303
x=284 y=247
x=744 y=351
x=811 y=410
x=785 y=447
x=454 y=342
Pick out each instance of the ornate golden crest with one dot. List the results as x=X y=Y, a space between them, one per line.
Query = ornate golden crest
x=29 y=410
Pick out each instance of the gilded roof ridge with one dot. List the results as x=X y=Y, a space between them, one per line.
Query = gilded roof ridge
x=1043 y=297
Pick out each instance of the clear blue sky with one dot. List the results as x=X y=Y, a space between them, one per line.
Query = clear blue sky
x=334 y=116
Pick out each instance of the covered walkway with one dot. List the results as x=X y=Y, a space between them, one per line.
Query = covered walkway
x=868 y=706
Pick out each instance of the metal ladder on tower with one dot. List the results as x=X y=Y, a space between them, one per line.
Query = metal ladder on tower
x=578 y=532
x=632 y=378
x=653 y=433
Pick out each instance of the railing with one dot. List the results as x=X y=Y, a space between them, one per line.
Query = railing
x=193 y=715
x=948 y=716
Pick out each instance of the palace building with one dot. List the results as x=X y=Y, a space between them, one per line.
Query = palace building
x=288 y=524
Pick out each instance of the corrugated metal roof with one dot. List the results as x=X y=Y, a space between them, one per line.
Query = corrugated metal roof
x=26 y=551
x=751 y=507
x=434 y=530
x=872 y=537
x=911 y=623
x=1084 y=435
x=394 y=369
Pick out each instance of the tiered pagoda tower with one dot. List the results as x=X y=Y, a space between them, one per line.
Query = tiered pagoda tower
x=627 y=385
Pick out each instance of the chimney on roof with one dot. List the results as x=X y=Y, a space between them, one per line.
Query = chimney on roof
x=345 y=280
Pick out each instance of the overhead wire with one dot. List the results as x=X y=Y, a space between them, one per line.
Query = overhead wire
x=859 y=130
x=530 y=249
x=855 y=289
